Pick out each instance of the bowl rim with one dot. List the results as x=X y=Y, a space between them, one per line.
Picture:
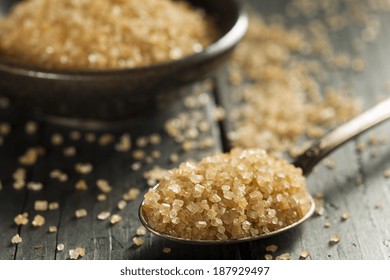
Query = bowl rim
x=223 y=44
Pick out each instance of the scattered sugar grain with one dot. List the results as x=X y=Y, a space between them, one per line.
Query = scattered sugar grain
x=52 y=229
x=327 y=224
x=121 y=204
x=90 y=137
x=345 y=216
x=271 y=248
x=5 y=128
x=334 y=238
x=101 y=197
x=104 y=185
x=386 y=173
x=136 y=166
x=219 y=113
x=4 y=102
x=115 y=219
x=206 y=143
x=188 y=146
x=103 y=215
x=81 y=185
x=361 y=146
x=319 y=203
x=156 y=154
x=304 y=254
x=138 y=154
x=59 y=175
x=174 y=157
x=19 y=174
x=31 y=155
x=83 y=168
x=41 y=205
x=54 y=205
x=80 y=213
x=166 y=250
x=55 y=173
x=38 y=221
x=131 y=194
x=149 y=160
x=21 y=219
x=75 y=135
x=69 y=151
x=16 y=239
x=106 y=139
x=124 y=143
x=34 y=186
x=31 y=127
x=141 y=230
x=373 y=140
x=138 y=241
x=204 y=126
x=142 y=142
x=19 y=184
x=60 y=247
x=155 y=139
x=77 y=253
x=191 y=133
x=56 y=139
x=284 y=256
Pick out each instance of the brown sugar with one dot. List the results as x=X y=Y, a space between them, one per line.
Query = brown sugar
x=80 y=213
x=115 y=219
x=167 y=250
x=266 y=62
x=304 y=254
x=93 y=34
x=240 y=194
x=74 y=254
x=334 y=239
x=138 y=241
x=38 y=221
x=21 y=219
x=103 y=215
x=284 y=256
x=16 y=239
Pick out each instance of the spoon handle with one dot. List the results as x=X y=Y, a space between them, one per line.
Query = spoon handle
x=342 y=134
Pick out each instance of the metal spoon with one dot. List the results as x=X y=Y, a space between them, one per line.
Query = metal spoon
x=306 y=161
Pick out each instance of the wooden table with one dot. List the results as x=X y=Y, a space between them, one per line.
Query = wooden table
x=365 y=235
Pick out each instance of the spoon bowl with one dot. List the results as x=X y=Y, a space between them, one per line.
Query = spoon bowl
x=308 y=214
x=306 y=161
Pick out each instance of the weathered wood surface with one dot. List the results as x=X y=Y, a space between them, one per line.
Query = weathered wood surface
x=365 y=235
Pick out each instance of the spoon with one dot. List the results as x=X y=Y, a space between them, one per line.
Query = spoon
x=306 y=161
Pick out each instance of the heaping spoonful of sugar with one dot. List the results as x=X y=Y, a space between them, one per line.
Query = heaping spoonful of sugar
x=243 y=195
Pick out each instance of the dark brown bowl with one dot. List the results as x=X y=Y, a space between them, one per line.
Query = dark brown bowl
x=115 y=95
